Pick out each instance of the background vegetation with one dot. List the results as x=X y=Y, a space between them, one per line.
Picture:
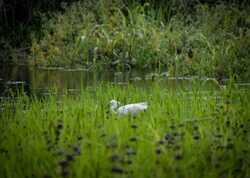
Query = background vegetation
x=208 y=38
x=18 y=18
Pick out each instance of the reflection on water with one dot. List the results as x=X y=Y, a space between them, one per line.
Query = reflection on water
x=40 y=81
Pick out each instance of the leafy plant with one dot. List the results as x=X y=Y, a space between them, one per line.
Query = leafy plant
x=209 y=41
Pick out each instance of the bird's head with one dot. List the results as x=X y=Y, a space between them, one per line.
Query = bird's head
x=113 y=104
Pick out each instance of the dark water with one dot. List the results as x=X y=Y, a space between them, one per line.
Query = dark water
x=41 y=81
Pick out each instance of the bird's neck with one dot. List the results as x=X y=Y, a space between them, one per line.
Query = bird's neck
x=113 y=108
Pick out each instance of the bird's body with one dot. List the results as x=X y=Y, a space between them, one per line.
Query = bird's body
x=129 y=109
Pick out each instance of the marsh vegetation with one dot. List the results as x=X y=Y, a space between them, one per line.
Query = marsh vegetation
x=196 y=131
x=188 y=61
x=205 y=40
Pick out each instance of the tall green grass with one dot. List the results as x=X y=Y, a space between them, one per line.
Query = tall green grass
x=185 y=133
x=206 y=40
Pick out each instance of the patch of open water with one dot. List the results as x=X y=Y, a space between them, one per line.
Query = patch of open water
x=40 y=81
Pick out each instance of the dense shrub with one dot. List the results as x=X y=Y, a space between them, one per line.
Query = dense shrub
x=211 y=41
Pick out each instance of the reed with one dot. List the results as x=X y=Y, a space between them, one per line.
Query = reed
x=201 y=40
x=195 y=132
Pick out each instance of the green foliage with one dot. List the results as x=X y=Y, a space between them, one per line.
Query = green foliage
x=210 y=41
x=189 y=133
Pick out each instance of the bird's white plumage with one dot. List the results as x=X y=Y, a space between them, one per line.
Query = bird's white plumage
x=131 y=109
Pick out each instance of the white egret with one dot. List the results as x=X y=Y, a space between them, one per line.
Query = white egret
x=129 y=109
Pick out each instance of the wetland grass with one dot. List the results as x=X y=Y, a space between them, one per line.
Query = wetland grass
x=205 y=40
x=195 y=133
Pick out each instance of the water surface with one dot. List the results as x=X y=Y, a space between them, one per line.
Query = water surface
x=42 y=80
